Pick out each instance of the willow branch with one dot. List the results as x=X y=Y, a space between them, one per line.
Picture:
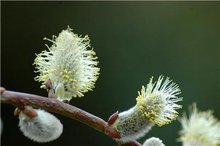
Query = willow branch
x=20 y=100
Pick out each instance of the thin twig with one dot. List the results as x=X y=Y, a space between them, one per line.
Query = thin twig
x=20 y=100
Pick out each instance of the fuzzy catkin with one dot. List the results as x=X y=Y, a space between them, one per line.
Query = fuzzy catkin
x=45 y=127
x=156 y=104
x=200 y=128
x=70 y=64
x=153 y=141
x=131 y=125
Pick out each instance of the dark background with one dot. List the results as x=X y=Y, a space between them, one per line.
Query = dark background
x=133 y=40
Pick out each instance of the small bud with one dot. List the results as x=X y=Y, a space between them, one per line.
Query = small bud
x=201 y=128
x=156 y=104
x=69 y=64
x=44 y=127
x=113 y=118
x=153 y=141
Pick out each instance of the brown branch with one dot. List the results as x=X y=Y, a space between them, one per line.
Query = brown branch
x=20 y=100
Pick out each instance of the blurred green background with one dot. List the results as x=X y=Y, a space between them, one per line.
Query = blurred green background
x=133 y=40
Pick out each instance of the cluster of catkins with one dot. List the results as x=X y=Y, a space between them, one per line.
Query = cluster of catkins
x=71 y=67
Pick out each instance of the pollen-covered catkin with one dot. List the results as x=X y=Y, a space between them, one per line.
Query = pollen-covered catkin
x=156 y=104
x=201 y=128
x=69 y=64
x=45 y=127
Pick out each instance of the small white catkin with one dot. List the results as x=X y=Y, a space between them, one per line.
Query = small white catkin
x=153 y=141
x=45 y=127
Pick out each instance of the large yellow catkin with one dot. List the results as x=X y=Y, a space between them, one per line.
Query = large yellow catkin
x=69 y=64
